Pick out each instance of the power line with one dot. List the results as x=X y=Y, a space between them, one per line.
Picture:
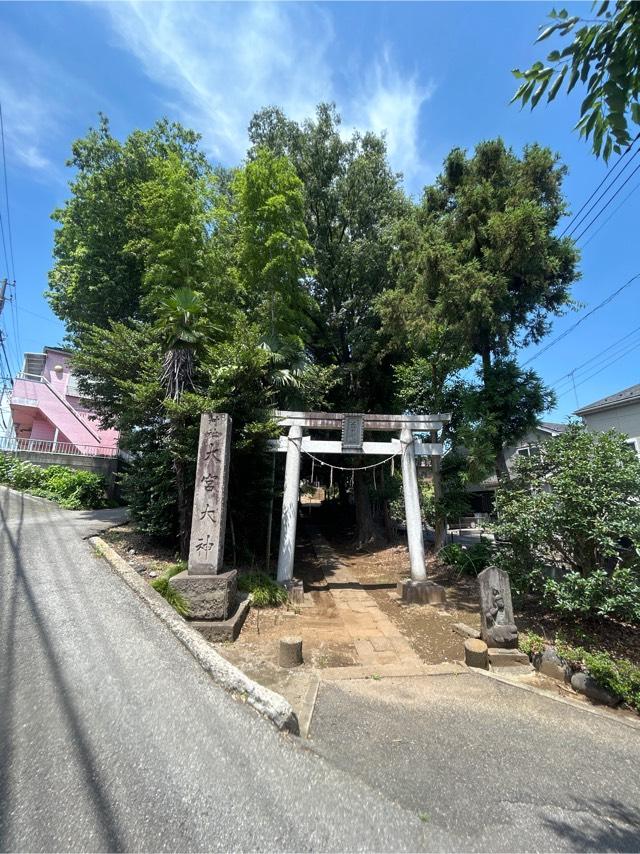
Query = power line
x=16 y=337
x=611 y=215
x=6 y=196
x=35 y=314
x=572 y=224
x=580 y=320
x=603 y=368
x=603 y=209
x=568 y=377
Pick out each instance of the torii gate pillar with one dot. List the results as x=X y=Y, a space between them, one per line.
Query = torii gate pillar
x=413 y=516
x=287 y=550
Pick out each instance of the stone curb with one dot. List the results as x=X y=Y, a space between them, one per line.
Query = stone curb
x=267 y=702
x=600 y=712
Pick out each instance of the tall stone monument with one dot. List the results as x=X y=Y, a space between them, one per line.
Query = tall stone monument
x=210 y=592
x=496 y=611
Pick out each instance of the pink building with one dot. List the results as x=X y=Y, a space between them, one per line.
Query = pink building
x=48 y=412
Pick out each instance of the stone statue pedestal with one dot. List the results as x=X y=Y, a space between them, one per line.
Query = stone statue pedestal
x=210 y=597
x=421 y=592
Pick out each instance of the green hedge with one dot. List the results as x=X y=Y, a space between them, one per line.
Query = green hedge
x=72 y=489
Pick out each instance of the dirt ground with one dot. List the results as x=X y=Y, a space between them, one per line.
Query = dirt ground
x=148 y=557
x=375 y=571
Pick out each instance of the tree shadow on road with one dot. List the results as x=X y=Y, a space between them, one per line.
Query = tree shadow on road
x=600 y=825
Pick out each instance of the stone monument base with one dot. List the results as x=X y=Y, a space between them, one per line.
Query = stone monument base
x=210 y=597
x=421 y=592
x=219 y=631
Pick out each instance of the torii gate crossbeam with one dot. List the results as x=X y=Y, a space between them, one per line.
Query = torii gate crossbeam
x=353 y=427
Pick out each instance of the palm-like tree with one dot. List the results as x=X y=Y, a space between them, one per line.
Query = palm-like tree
x=184 y=330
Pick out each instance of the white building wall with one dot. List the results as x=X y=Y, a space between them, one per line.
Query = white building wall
x=626 y=419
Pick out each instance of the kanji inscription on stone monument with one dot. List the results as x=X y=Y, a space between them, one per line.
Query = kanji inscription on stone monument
x=210 y=498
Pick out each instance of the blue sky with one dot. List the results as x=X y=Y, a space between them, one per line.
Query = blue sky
x=431 y=75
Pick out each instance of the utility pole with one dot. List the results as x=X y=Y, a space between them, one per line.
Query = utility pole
x=3 y=288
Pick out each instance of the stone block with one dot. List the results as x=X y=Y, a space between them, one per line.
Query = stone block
x=587 y=685
x=220 y=631
x=295 y=591
x=421 y=592
x=499 y=657
x=475 y=653
x=550 y=664
x=466 y=631
x=210 y=597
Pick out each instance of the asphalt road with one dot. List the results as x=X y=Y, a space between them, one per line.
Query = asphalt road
x=113 y=738
x=492 y=766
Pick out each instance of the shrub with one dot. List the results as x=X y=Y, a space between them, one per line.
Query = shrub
x=26 y=476
x=263 y=591
x=617 y=675
x=607 y=595
x=72 y=489
x=469 y=560
x=173 y=596
x=575 y=506
x=531 y=643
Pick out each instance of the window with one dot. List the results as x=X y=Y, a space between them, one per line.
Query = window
x=529 y=451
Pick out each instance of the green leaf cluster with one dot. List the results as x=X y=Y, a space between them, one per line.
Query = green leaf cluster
x=263 y=591
x=603 y=56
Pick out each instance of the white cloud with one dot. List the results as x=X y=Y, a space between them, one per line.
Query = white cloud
x=225 y=61
x=28 y=112
x=40 y=101
x=390 y=103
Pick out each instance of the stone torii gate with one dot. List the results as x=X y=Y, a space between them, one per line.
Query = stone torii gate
x=353 y=428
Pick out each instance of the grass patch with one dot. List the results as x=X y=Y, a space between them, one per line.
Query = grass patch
x=173 y=596
x=263 y=591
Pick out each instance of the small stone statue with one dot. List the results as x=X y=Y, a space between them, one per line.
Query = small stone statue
x=496 y=610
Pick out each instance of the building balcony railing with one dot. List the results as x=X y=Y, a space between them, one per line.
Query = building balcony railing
x=8 y=444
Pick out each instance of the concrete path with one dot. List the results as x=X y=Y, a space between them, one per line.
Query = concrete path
x=112 y=737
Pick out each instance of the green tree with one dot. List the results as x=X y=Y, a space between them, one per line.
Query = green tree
x=181 y=327
x=274 y=253
x=183 y=331
x=488 y=273
x=604 y=56
x=351 y=200
x=97 y=272
x=574 y=509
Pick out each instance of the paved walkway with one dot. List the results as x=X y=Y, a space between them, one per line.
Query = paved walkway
x=500 y=768
x=356 y=616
